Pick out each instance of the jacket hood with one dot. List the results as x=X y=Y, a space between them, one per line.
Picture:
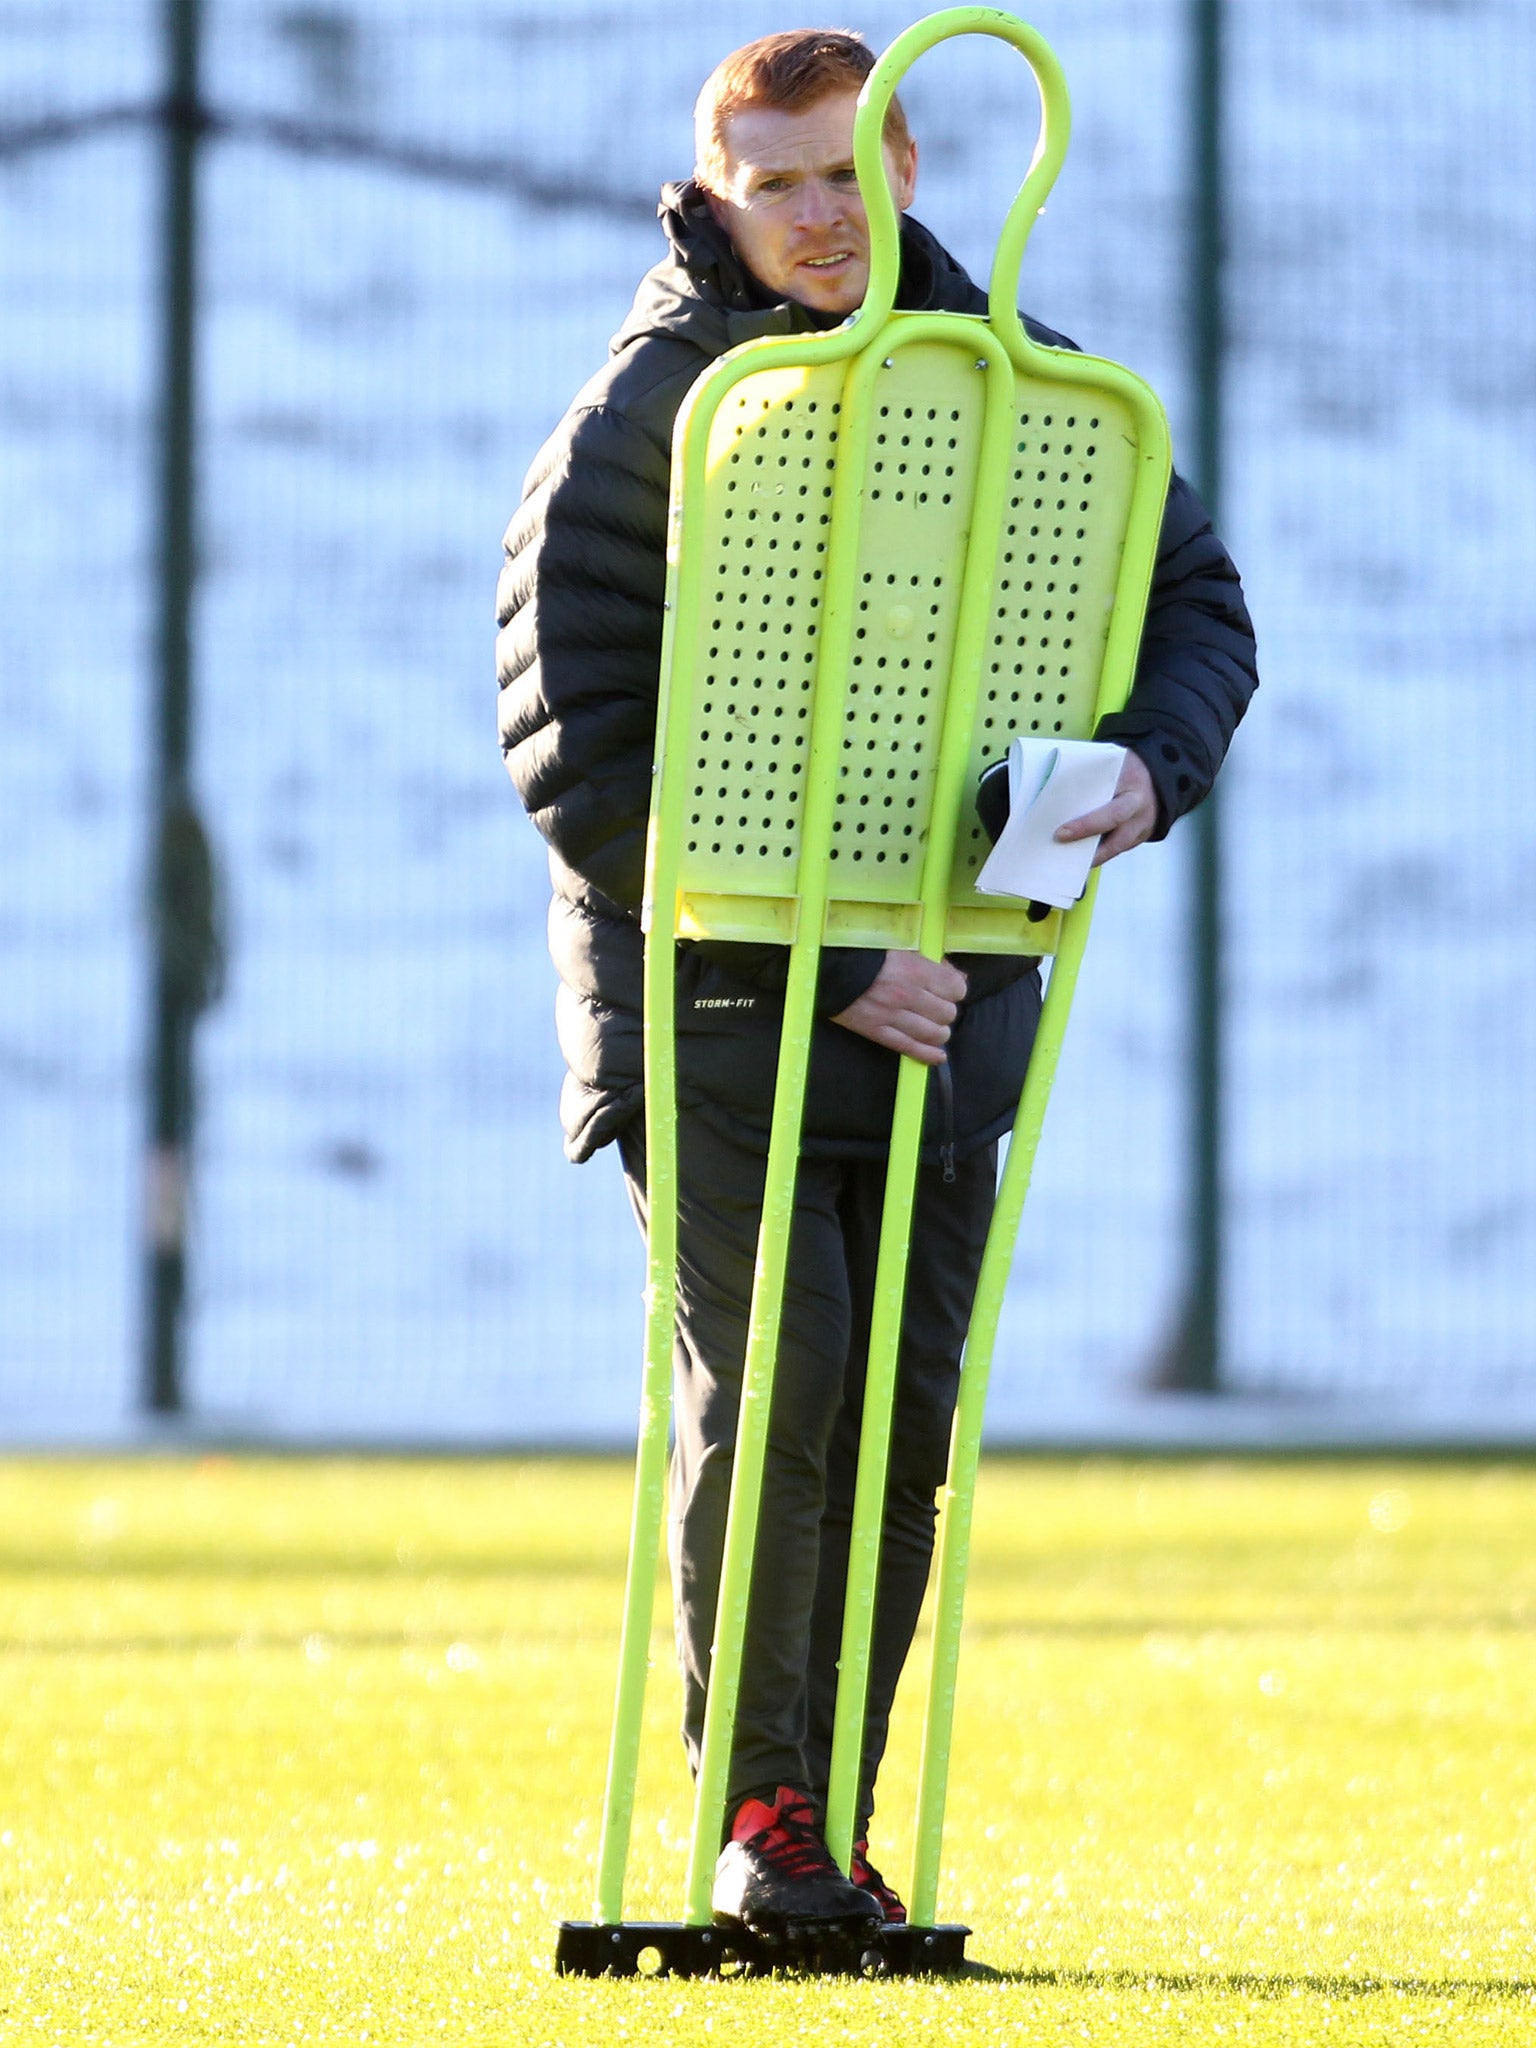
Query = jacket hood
x=702 y=293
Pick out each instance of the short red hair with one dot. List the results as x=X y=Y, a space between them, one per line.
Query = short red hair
x=791 y=70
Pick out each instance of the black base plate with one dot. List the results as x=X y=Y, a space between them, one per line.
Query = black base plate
x=664 y=1948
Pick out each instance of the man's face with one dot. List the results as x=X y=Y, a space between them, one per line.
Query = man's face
x=791 y=204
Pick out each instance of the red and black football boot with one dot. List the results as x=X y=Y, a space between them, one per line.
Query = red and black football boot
x=776 y=1876
x=868 y=1879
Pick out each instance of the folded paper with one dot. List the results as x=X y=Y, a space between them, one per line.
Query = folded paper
x=1049 y=782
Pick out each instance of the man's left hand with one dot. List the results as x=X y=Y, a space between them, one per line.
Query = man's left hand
x=1125 y=821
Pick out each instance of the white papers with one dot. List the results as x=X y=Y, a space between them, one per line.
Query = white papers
x=1049 y=781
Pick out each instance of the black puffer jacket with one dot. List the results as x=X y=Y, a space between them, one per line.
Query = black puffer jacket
x=580 y=611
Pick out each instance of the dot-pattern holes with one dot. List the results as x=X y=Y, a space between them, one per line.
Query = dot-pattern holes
x=1042 y=658
x=1044 y=655
x=891 y=749
x=770 y=519
x=913 y=456
x=920 y=472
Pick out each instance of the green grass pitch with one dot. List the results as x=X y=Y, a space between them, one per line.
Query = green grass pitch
x=297 y=1751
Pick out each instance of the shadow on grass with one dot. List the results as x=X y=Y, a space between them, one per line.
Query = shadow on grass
x=108 y=1563
x=605 y=1628
x=1350 y=1621
x=1257 y=1984
x=336 y=1642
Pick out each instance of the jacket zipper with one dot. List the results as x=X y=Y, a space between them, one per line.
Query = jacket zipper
x=947 y=1116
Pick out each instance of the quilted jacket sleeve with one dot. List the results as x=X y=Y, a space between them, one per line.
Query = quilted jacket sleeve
x=579 y=607
x=1196 y=671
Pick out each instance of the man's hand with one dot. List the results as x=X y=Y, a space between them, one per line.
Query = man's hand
x=1126 y=820
x=909 y=1006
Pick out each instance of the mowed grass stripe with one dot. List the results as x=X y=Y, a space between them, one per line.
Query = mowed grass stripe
x=301 y=1750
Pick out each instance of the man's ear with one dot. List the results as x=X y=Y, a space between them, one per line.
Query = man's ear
x=904 y=183
x=716 y=205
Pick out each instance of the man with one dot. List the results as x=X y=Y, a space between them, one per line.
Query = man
x=770 y=238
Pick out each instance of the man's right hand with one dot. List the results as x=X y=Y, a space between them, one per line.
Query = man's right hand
x=909 y=1006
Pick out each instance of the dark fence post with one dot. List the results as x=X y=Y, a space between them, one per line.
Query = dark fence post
x=182 y=915
x=1193 y=1359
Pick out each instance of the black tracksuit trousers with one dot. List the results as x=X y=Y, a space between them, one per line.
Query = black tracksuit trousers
x=783 y=1733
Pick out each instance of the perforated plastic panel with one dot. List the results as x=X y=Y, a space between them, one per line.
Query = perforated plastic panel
x=771 y=453
x=772 y=448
